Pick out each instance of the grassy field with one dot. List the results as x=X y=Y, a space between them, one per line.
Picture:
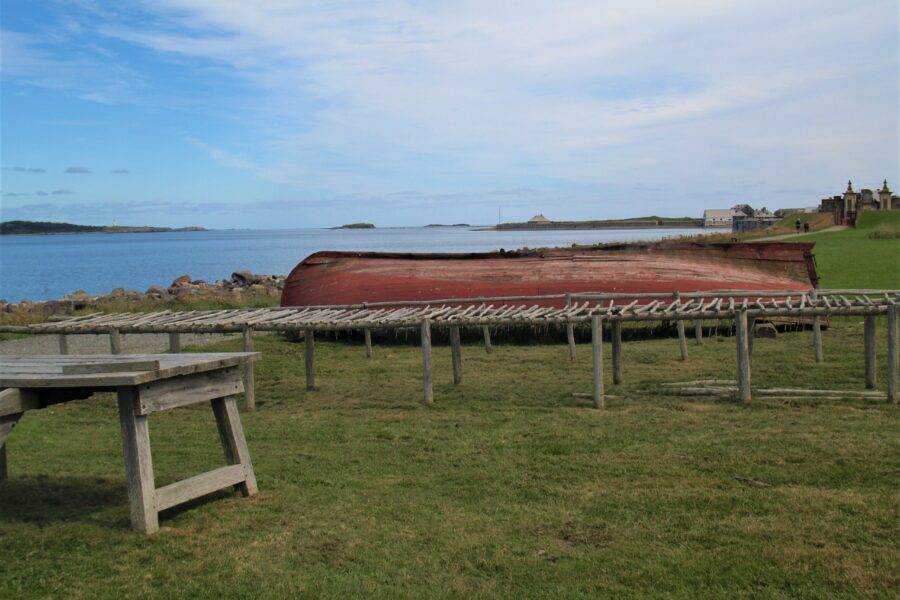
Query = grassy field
x=856 y=257
x=508 y=486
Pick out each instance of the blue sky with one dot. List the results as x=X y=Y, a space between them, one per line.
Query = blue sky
x=280 y=113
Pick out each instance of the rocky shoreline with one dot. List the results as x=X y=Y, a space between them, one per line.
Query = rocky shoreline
x=242 y=288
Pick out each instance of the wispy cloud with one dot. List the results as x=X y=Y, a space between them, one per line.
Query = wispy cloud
x=119 y=171
x=597 y=107
x=29 y=170
x=77 y=171
x=62 y=192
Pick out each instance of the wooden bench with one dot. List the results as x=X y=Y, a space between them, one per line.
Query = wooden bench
x=144 y=384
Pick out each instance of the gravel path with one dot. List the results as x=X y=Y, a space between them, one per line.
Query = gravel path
x=99 y=344
x=791 y=236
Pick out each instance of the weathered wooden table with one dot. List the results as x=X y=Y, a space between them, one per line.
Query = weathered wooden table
x=144 y=383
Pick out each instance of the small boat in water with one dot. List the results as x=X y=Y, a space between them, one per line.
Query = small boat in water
x=328 y=277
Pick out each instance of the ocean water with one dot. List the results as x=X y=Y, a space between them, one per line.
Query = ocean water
x=47 y=267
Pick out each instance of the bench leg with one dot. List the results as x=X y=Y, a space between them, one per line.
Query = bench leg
x=7 y=423
x=138 y=464
x=231 y=433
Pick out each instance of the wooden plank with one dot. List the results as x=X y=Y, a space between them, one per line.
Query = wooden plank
x=174 y=342
x=893 y=325
x=367 y=334
x=486 y=331
x=309 y=357
x=698 y=331
x=427 y=385
x=14 y=401
x=63 y=340
x=171 y=365
x=167 y=394
x=138 y=463
x=198 y=485
x=869 y=350
x=456 y=354
x=249 y=375
x=115 y=341
x=597 y=360
x=617 y=351
x=743 y=355
x=110 y=367
x=234 y=444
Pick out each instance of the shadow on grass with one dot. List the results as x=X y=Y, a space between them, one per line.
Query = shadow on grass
x=43 y=499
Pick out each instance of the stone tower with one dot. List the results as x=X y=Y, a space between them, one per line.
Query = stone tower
x=851 y=199
x=884 y=197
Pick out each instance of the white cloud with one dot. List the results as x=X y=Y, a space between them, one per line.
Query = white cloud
x=677 y=95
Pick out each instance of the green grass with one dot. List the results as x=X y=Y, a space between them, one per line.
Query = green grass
x=508 y=486
x=854 y=259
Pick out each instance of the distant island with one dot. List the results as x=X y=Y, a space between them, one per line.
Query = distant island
x=443 y=225
x=653 y=222
x=47 y=227
x=356 y=226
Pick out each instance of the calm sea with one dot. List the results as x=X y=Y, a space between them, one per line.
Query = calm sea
x=47 y=267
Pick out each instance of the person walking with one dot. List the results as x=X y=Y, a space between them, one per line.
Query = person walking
x=797 y=225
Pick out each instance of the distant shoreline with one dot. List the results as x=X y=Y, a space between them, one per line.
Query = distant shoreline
x=53 y=228
x=649 y=223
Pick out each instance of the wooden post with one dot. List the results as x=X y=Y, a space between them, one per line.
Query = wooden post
x=751 y=325
x=597 y=360
x=743 y=354
x=175 y=342
x=425 y=328
x=63 y=343
x=698 y=331
x=249 y=376
x=231 y=434
x=7 y=423
x=138 y=463
x=570 y=337
x=679 y=324
x=617 y=351
x=456 y=354
x=367 y=333
x=486 y=330
x=817 y=331
x=892 y=354
x=310 y=345
x=115 y=341
x=869 y=341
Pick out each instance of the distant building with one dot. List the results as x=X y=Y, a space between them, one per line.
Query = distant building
x=783 y=212
x=845 y=208
x=762 y=219
x=719 y=217
x=538 y=219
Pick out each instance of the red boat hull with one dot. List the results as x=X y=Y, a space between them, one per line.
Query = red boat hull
x=327 y=278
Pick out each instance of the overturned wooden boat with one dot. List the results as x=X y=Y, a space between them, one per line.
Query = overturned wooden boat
x=330 y=278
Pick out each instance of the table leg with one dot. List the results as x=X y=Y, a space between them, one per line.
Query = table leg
x=7 y=423
x=233 y=441
x=138 y=463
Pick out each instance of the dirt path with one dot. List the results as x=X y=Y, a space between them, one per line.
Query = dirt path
x=792 y=236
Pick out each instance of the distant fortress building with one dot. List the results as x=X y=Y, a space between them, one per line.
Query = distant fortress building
x=845 y=208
